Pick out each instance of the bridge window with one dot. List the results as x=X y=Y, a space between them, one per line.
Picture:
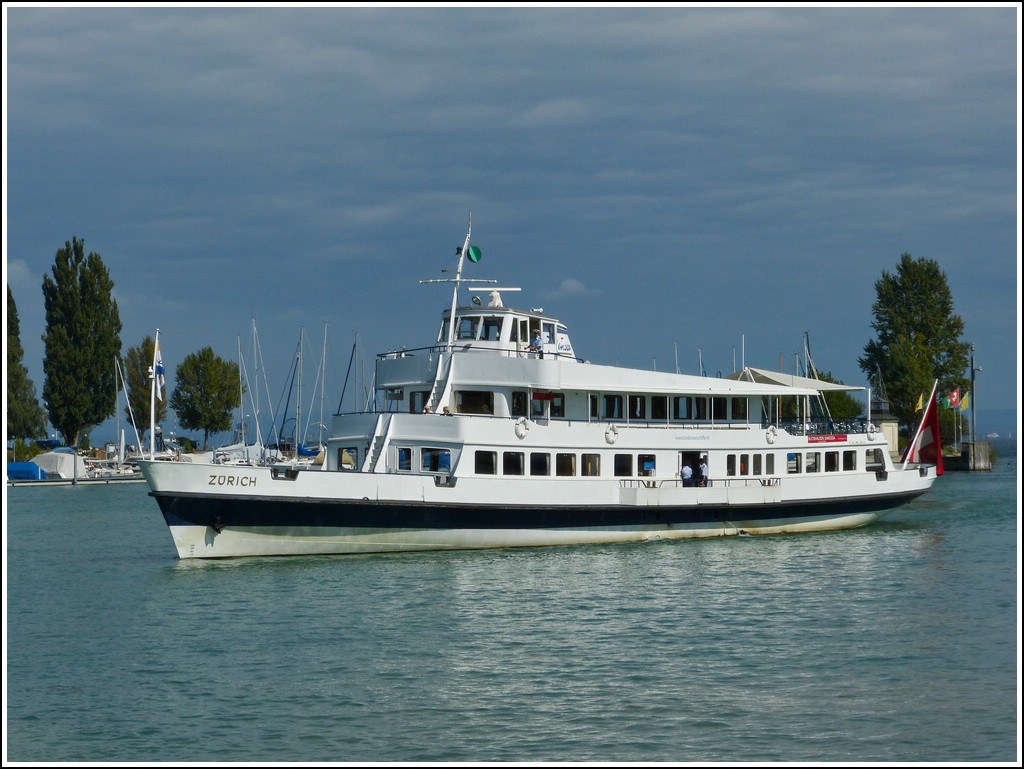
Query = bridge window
x=467 y=327
x=491 y=330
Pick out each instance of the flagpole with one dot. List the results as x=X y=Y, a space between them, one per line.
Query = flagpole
x=152 y=398
x=920 y=427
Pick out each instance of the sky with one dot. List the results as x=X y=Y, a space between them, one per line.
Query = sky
x=677 y=184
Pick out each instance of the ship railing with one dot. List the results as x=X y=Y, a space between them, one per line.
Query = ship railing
x=474 y=346
x=822 y=426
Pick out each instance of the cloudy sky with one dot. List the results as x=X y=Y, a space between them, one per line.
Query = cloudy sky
x=674 y=183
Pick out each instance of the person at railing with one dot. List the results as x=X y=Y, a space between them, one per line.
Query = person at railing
x=687 y=474
x=703 y=471
x=536 y=344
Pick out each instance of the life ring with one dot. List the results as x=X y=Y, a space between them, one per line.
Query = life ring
x=771 y=434
x=611 y=434
x=522 y=427
x=872 y=431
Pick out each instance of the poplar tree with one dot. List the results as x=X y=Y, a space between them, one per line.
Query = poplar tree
x=25 y=417
x=918 y=336
x=82 y=340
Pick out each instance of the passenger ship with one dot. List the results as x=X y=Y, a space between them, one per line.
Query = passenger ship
x=541 y=447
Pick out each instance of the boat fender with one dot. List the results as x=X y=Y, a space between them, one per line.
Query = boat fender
x=522 y=427
x=771 y=434
x=611 y=434
x=872 y=430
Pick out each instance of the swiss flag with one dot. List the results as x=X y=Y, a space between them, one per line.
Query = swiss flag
x=926 y=448
x=954 y=399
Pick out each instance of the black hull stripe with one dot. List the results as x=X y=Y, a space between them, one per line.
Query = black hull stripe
x=259 y=512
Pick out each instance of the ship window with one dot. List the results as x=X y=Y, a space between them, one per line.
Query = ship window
x=613 y=407
x=659 y=407
x=565 y=464
x=467 y=327
x=394 y=394
x=623 y=465
x=519 y=403
x=730 y=464
x=591 y=464
x=486 y=463
x=744 y=464
x=792 y=462
x=512 y=463
x=593 y=407
x=435 y=460
x=718 y=408
x=739 y=409
x=849 y=460
x=491 y=330
x=873 y=460
x=418 y=400
x=548 y=334
x=558 y=405
x=645 y=462
x=404 y=459
x=769 y=464
x=347 y=458
x=700 y=408
x=682 y=407
x=540 y=464
x=831 y=461
x=813 y=462
x=637 y=407
x=757 y=464
x=474 y=402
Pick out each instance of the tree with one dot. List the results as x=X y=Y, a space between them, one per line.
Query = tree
x=137 y=363
x=918 y=336
x=82 y=339
x=25 y=417
x=841 y=405
x=206 y=390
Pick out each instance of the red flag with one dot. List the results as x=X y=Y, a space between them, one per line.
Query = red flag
x=926 y=447
x=954 y=399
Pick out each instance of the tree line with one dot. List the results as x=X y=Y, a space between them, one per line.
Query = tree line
x=919 y=340
x=82 y=355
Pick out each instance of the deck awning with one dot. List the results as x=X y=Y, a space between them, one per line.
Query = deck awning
x=761 y=376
